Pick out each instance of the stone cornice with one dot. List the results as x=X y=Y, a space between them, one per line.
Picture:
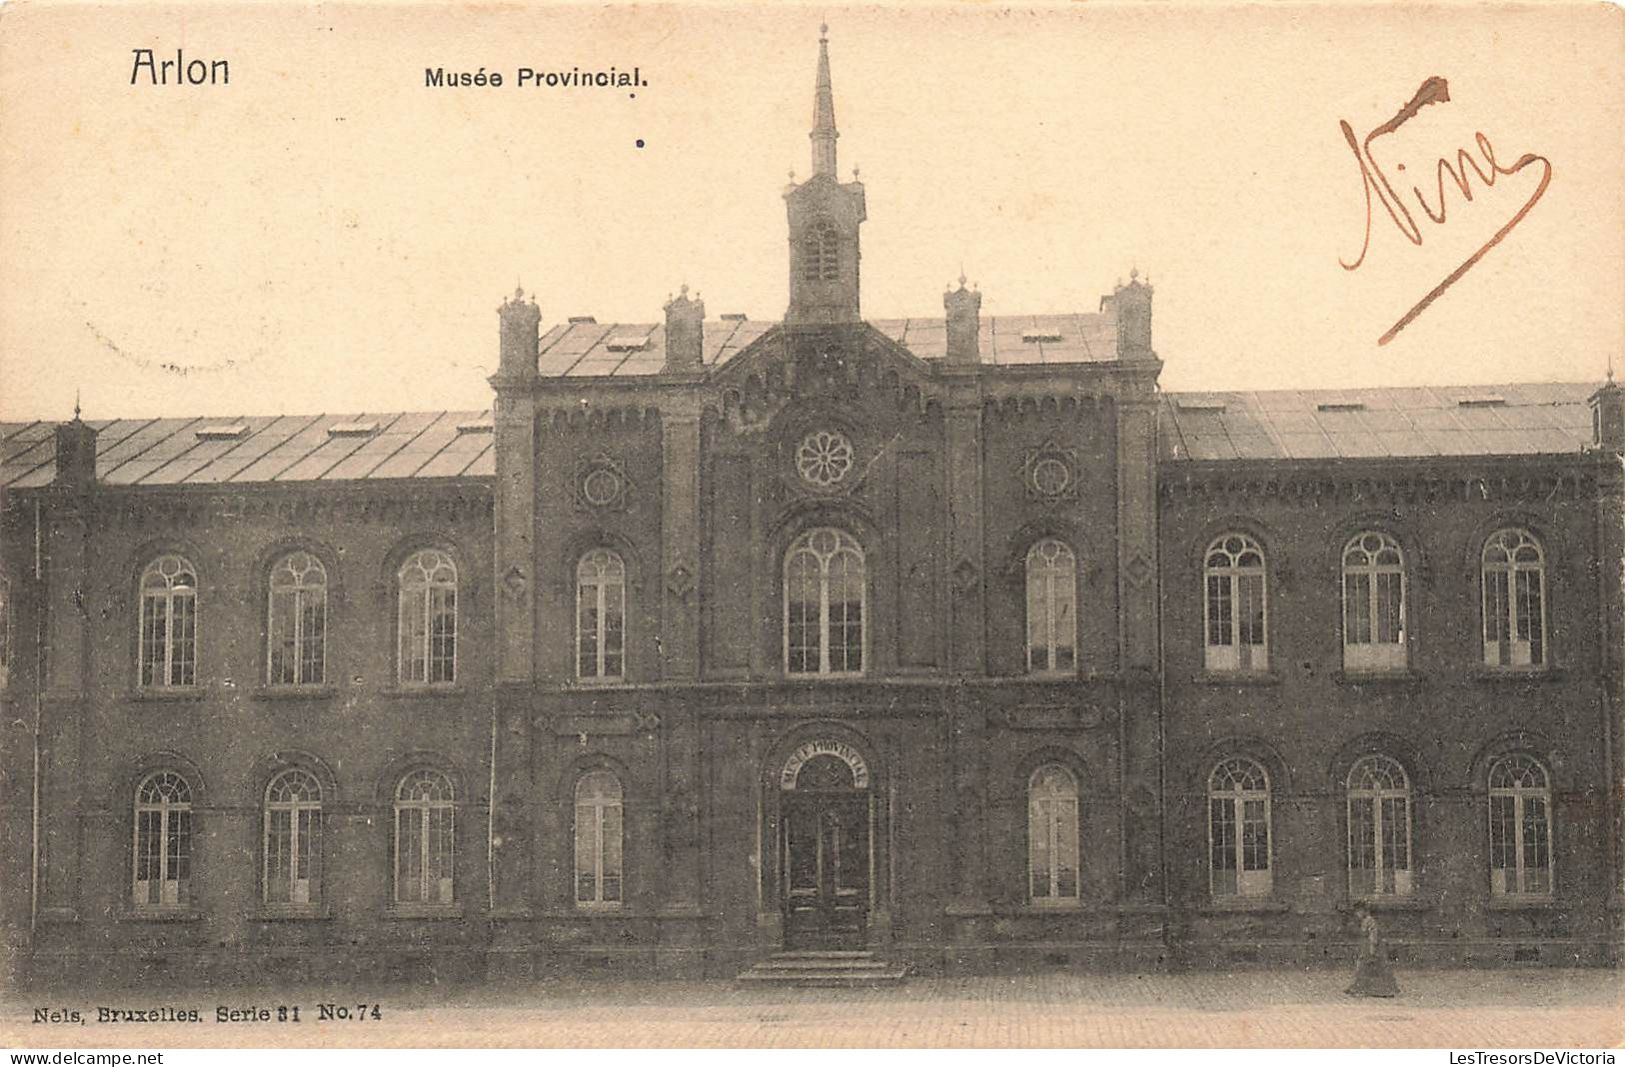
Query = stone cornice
x=1575 y=477
x=392 y=500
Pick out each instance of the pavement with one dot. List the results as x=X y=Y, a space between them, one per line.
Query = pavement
x=1527 y=1008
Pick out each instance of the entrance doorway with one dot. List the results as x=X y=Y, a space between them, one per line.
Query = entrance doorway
x=826 y=854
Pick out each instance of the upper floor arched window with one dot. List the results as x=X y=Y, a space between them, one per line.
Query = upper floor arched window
x=1239 y=829
x=169 y=627
x=293 y=838
x=824 y=604
x=1514 y=576
x=1052 y=836
x=1373 y=603
x=600 y=616
x=296 y=633
x=598 y=844
x=428 y=618
x=1520 y=827
x=820 y=253
x=1052 y=594
x=163 y=841
x=1379 y=803
x=1233 y=605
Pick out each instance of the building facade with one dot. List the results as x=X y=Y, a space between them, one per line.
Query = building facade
x=954 y=640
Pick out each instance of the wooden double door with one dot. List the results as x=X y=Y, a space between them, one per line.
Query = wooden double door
x=827 y=869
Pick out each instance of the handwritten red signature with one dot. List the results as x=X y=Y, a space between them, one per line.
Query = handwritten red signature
x=1434 y=90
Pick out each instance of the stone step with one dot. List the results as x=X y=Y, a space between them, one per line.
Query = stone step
x=896 y=973
x=823 y=965
x=827 y=968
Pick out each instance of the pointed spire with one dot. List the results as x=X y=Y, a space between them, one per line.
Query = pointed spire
x=823 y=133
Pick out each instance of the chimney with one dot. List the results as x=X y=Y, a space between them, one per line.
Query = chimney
x=685 y=332
x=964 y=308
x=1131 y=306
x=521 y=325
x=75 y=453
x=1608 y=417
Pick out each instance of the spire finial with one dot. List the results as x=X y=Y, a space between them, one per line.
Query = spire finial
x=823 y=32
x=823 y=131
x=76 y=391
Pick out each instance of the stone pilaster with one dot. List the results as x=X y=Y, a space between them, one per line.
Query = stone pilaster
x=67 y=668
x=966 y=563
x=1140 y=795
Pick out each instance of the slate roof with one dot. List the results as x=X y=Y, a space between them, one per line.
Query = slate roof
x=286 y=448
x=584 y=347
x=1483 y=420
x=1530 y=419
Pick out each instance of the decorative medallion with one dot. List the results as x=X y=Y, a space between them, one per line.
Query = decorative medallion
x=514 y=582
x=824 y=458
x=964 y=575
x=1138 y=569
x=601 y=484
x=1049 y=472
x=680 y=581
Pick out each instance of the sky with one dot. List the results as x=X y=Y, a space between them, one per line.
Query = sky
x=327 y=233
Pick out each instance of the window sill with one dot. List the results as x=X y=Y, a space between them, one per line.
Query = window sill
x=1237 y=678
x=424 y=911
x=295 y=692
x=177 y=693
x=294 y=913
x=1525 y=904
x=425 y=692
x=184 y=914
x=1391 y=903
x=1398 y=676
x=1517 y=675
x=1066 y=907
x=1245 y=905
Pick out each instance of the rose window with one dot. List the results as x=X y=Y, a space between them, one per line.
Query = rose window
x=1051 y=476
x=824 y=458
x=601 y=487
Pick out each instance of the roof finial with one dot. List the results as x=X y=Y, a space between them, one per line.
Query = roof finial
x=1610 y=370
x=76 y=391
x=962 y=275
x=823 y=131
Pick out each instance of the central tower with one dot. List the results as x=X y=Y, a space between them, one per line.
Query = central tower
x=824 y=217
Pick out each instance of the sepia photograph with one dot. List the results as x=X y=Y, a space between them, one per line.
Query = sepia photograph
x=501 y=547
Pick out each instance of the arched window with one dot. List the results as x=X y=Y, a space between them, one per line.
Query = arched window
x=820 y=253
x=5 y=631
x=600 y=616
x=1514 y=600
x=163 y=841
x=1052 y=594
x=1239 y=829
x=1373 y=603
x=168 y=623
x=1379 y=828
x=293 y=838
x=598 y=840
x=428 y=618
x=1520 y=827
x=425 y=838
x=1233 y=605
x=824 y=599
x=297 y=631
x=1052 y=836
